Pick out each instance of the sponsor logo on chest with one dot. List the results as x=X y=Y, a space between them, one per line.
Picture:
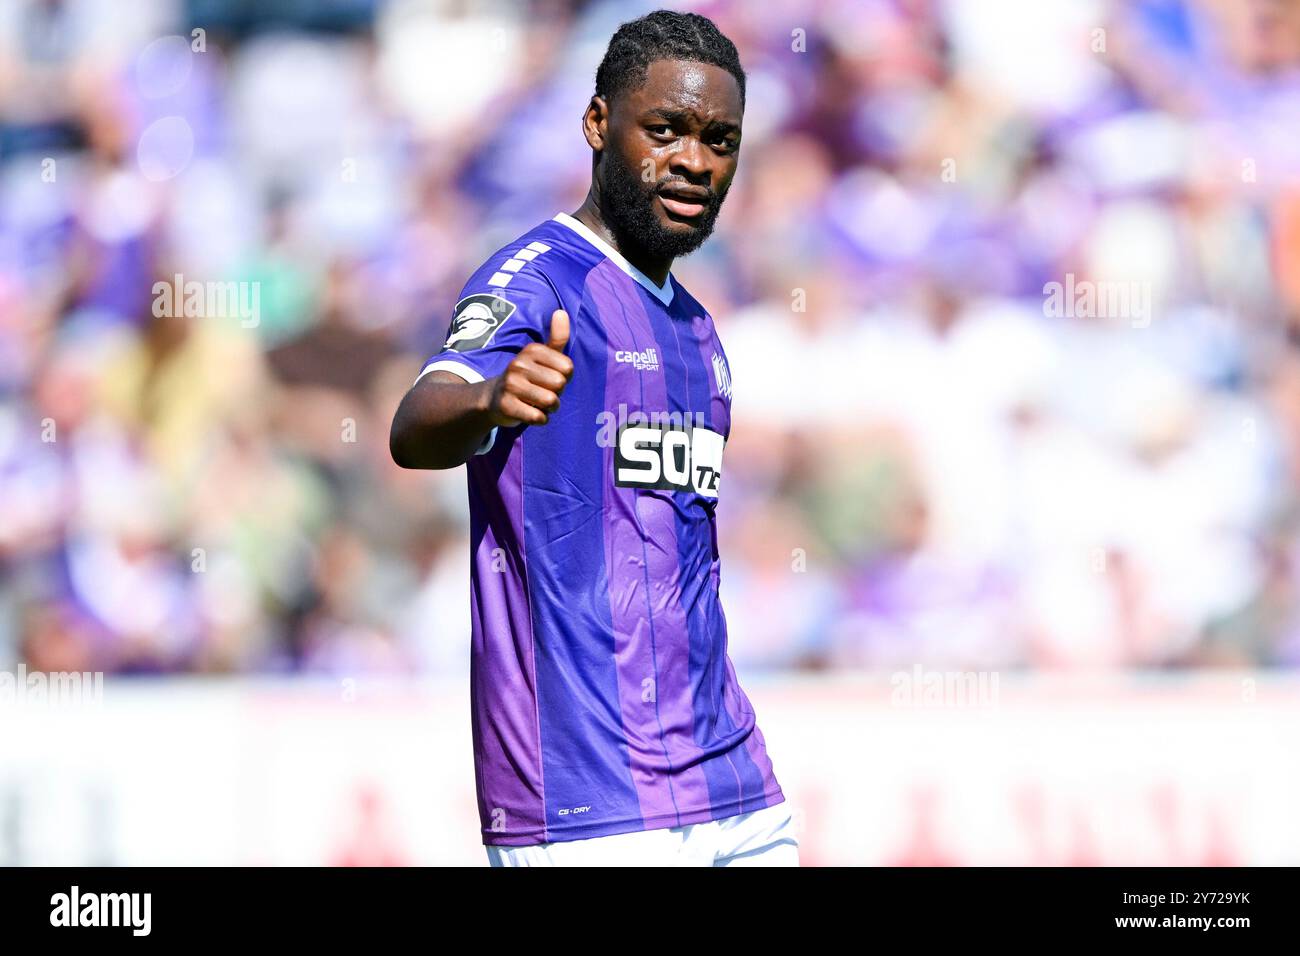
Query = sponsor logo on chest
x=669 y=458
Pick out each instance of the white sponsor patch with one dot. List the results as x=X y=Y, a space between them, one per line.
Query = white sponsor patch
x=669 y=459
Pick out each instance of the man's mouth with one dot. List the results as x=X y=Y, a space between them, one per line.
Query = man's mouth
x=684 y=201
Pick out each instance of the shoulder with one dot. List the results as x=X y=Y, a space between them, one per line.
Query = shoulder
x=510 y=298
x=546 y=257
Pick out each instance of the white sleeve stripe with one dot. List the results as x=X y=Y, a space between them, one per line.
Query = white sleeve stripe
x=499 y=278
x=526 y=254
x=456 y=368
x=512 y=265
x=538 y=247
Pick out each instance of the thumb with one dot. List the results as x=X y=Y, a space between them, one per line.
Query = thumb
x=559 y=336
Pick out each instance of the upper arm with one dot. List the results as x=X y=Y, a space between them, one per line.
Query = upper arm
x=427 y=405
x=505 y=306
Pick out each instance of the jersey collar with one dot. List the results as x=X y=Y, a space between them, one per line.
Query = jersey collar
x=663 y=293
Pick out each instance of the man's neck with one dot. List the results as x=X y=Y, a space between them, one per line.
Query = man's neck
x=590 y=216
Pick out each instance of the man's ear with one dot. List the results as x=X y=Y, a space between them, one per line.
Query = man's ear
x=595 y=123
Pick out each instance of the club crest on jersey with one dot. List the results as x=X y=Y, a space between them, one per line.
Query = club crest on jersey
x=477 y=318
x=669 y=459
x=722 y=375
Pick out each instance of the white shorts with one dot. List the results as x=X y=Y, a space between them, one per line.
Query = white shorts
x=760 y=838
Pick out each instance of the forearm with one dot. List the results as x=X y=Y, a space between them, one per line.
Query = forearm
x=440 y=422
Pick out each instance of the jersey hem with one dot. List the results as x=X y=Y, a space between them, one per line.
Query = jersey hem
x=661 y=821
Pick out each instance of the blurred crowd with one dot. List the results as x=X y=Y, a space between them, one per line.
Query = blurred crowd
x=935 y=458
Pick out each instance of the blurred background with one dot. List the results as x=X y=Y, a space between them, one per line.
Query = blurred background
x=1011 y=296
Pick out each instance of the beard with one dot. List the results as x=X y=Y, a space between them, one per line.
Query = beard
x=627 y=209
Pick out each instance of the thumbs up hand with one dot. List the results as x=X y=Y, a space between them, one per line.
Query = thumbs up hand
x=528 y=391
x=559 y=337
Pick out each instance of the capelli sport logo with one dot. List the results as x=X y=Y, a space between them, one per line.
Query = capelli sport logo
x=647 y=361
x=476 y=320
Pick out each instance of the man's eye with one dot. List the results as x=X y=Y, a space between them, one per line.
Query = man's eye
x=662 y=129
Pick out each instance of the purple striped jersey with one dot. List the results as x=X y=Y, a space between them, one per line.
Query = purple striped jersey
x=603 y=700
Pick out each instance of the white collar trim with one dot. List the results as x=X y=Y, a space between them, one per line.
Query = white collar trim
x=663 y=293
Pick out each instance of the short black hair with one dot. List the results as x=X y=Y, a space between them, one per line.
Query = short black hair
x=663 y=35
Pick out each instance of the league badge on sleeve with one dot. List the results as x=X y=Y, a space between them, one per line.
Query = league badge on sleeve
x=476 y=320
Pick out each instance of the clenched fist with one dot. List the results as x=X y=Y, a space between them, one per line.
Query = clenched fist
x=528 y=391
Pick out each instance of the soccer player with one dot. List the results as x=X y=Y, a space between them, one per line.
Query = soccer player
x=608 y=724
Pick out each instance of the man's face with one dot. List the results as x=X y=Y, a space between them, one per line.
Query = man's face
x=670 y=153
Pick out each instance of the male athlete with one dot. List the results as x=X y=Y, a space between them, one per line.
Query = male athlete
x=608 y=724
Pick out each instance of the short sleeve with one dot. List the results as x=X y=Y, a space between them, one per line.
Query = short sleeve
x=506 y=305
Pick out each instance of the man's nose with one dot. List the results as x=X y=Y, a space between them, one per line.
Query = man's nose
x=691 y=161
